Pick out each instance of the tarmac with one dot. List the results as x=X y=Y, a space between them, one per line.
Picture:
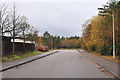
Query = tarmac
x=15 y=63
x=111 y=66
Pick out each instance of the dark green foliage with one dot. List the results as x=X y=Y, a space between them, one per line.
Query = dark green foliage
x=57 y=42
x=105 y=50
x=117 y=49
x=102 y=50
x=94 y=48
x=47 y=39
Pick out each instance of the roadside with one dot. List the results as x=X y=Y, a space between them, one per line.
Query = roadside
x=11 y=57
x=64 y=64
x=107 y=57
x=66 y=49
x=107 y=64
x=18 y=62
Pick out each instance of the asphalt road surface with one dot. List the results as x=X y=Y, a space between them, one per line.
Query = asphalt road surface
x=64 y=64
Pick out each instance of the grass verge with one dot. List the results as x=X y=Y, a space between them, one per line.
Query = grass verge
x=107 y=57
x=11 y=57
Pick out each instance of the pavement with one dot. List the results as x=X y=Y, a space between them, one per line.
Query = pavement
x=109 y=65
x=63 y=64
x=14 y=63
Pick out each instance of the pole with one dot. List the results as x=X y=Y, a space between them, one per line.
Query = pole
x=14 y=30
x=113 y=36
x=51 y=43
x=1 y=33
x=24 y=42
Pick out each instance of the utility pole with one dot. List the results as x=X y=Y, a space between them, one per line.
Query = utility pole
x=113 y=35
x=24 y=41
x=14 y=30
x=113 y=30
x=0 y=33
x=51 y=43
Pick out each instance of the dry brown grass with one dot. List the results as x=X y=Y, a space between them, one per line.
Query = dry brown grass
x=107 y=57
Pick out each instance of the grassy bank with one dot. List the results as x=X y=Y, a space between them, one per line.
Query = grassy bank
x=107 y=57
x=11 y=57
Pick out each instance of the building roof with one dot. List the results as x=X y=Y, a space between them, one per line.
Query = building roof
x=21 y=41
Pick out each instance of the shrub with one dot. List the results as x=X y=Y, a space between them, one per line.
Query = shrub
x=104 y=50
x=92 y=48
x=117 y=49
x=111 y=50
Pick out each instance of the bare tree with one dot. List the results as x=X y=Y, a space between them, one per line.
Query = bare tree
x=5 y=20
x=8 y=22
x=24 y=28
x=15 y=26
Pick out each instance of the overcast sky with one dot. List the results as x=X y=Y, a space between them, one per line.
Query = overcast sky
x=58 y=17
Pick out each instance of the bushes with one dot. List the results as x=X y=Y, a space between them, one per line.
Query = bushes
x=105 y=50
x=117 y=49
x=91 y=48
x=41 y=48
x=102 y=50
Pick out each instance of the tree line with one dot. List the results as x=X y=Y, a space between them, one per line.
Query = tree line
x=57 y=42
x=98 y=31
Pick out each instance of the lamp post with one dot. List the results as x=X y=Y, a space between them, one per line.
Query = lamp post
x=113 y=30
x=51 y=43
x=113 y=36
x=0 y=33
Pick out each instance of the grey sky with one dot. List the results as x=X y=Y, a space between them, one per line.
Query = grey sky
x=59 y=18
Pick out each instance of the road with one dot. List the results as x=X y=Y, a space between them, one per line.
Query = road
x=64 y=64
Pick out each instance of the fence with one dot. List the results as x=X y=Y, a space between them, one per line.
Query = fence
x=7 y=46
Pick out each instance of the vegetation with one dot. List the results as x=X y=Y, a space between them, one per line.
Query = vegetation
x=107 y=57
x=14 y=25
x=57 y=42
x=98 y=31
x=11 y=57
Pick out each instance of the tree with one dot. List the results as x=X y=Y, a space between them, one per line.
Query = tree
x=15 y=29
x=47 y=39
x=5 y=20
x=40 y=42
x=9 y=23
x=33 y=37
x=98 y=31
x=24 y=27
x=71 y=42
x=56 y=41
x=86 y=35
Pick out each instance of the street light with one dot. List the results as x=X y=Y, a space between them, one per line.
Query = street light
x=101 y=12
x=51 y=43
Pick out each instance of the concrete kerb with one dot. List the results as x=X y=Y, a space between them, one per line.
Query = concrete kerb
x=112 y=73
x=12 y=66
x=104 y=68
